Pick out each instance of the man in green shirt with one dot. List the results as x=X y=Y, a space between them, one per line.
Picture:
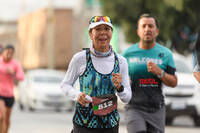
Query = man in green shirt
x=150 y=65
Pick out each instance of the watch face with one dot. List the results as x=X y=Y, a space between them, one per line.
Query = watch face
x=121 y=89
x=162 y=74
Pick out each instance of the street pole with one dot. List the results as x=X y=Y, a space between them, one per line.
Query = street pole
x=50 y=34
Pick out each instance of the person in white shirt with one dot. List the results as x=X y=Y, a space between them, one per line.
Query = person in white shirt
x=102 y=74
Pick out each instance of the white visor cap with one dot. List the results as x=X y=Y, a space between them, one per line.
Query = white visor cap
x=92 y=25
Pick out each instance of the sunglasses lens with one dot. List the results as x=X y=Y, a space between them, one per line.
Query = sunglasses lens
x=100 y=18
x=106 y=19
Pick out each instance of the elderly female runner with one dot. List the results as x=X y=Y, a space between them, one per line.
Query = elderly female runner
x=102 y=74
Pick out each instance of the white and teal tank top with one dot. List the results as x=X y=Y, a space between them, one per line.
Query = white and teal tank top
x=94 y=84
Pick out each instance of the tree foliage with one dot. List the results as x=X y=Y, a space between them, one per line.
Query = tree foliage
x=178 y=20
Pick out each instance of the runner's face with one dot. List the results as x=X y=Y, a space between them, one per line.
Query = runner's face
x=147 y=30
x=101 y=36
x=8 y=54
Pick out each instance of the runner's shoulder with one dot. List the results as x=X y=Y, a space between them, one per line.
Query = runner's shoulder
x=79 y=55
x=122 y=60
x=15 y=62
x=130 y=50
x=163 y=48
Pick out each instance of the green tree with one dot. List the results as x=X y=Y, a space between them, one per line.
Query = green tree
x=178 y=20
x=185 y=26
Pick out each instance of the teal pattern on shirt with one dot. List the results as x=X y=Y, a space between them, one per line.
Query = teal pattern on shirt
x=146 y=86
x=93 y=84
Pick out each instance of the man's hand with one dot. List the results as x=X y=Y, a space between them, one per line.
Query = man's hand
x=197 y=76
x=153 y=68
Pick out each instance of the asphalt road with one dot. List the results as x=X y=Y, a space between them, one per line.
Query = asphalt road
x=61 y=122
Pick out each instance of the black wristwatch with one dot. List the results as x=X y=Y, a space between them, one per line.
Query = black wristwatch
x=120 y=89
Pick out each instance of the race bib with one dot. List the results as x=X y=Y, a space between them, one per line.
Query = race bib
x=105 y=104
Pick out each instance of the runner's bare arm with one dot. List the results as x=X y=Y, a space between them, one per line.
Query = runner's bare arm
x=197 y=76
x=167 y=79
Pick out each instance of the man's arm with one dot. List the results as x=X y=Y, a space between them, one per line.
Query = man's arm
x=196 y=72
x=197 y=76
x=167 y=79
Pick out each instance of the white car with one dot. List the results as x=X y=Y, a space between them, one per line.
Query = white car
x=40 y=90
x=185 y=98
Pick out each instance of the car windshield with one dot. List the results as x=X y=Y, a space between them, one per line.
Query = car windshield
x=47 y=79
x=182 y=67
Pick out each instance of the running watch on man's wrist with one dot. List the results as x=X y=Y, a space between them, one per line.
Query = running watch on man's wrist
x=162 y=74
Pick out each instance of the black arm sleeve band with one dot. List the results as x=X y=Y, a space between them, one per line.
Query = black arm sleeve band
x=170 y=70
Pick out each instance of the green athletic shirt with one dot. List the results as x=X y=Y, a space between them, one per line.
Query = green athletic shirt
x=146 y=86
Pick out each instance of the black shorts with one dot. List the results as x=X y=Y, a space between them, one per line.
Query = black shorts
x=79 y=129
x=9 y=101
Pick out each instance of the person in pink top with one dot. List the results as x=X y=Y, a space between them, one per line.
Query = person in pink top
x=10 y=70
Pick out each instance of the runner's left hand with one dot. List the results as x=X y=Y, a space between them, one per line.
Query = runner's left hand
x=117 y=80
